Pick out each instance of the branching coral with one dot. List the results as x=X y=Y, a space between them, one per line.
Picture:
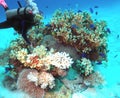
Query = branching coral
x=84 y=66
x=79 y=31
x=41 y=59
x=61 y=60
x=44 y=79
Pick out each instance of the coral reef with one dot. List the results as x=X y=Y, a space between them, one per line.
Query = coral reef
x=65 y=50
x=81 y=32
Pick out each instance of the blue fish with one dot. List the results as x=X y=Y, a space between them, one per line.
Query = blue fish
x=83 y=55
x=48 y=25
x=79 y=11
x=8 y=69
x=91 y=10
x=118 y=36
x=102 y=54
x=99 y=63
x=108 y=30
x=115 y=56
x=92 y=26
x=96 y=6
x=96 y=13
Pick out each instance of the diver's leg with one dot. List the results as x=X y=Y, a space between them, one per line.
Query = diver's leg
x=3 y=3
x=5 y=24
x=24 y=35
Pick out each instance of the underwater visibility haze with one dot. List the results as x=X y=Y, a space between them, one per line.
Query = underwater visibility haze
x=59 y=49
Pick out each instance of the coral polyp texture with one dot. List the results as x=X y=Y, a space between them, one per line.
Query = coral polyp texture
x=41 y=59
x=62 y=51
x=81 y=32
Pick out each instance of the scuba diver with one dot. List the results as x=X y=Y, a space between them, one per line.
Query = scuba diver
x=21 y=19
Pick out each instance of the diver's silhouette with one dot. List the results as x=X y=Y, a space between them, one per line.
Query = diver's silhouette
x=21 y=19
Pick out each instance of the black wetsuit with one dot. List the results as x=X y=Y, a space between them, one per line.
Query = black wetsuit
x=21 y=23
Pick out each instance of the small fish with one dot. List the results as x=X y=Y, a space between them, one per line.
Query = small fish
x=79 y=11
x=83 y=55
x=99 y=63
x=108 y=30
x=91 y=10
x=96 y=6
x=102 y=54
x=46 y=6
x=92 y=26
x=115 y=56
x=96 y=13
x=118 y=36
x=48 y=25
x=7 y=69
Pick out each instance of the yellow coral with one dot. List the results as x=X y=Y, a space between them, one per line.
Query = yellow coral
x=21 y=55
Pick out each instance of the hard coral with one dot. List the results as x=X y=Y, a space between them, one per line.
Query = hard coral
x=42 y=79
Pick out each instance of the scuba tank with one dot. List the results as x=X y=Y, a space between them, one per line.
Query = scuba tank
x=20 y=11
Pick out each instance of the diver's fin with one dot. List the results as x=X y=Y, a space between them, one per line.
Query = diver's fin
x=5 y=24
x=3 y=3
x=20 y=6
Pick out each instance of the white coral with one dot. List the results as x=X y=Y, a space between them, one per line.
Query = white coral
x=46 y=80
x=42 y=79
x=33 y=77
x=61 y=60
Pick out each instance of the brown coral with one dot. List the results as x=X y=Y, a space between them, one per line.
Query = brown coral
x=29 y=87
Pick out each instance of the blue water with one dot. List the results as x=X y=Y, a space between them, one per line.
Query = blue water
x=107 y=10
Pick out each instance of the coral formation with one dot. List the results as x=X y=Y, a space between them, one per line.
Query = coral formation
x=43 y=79
x=75 y=29
x=84 y=66
x=70 y=41
x=27 y=86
